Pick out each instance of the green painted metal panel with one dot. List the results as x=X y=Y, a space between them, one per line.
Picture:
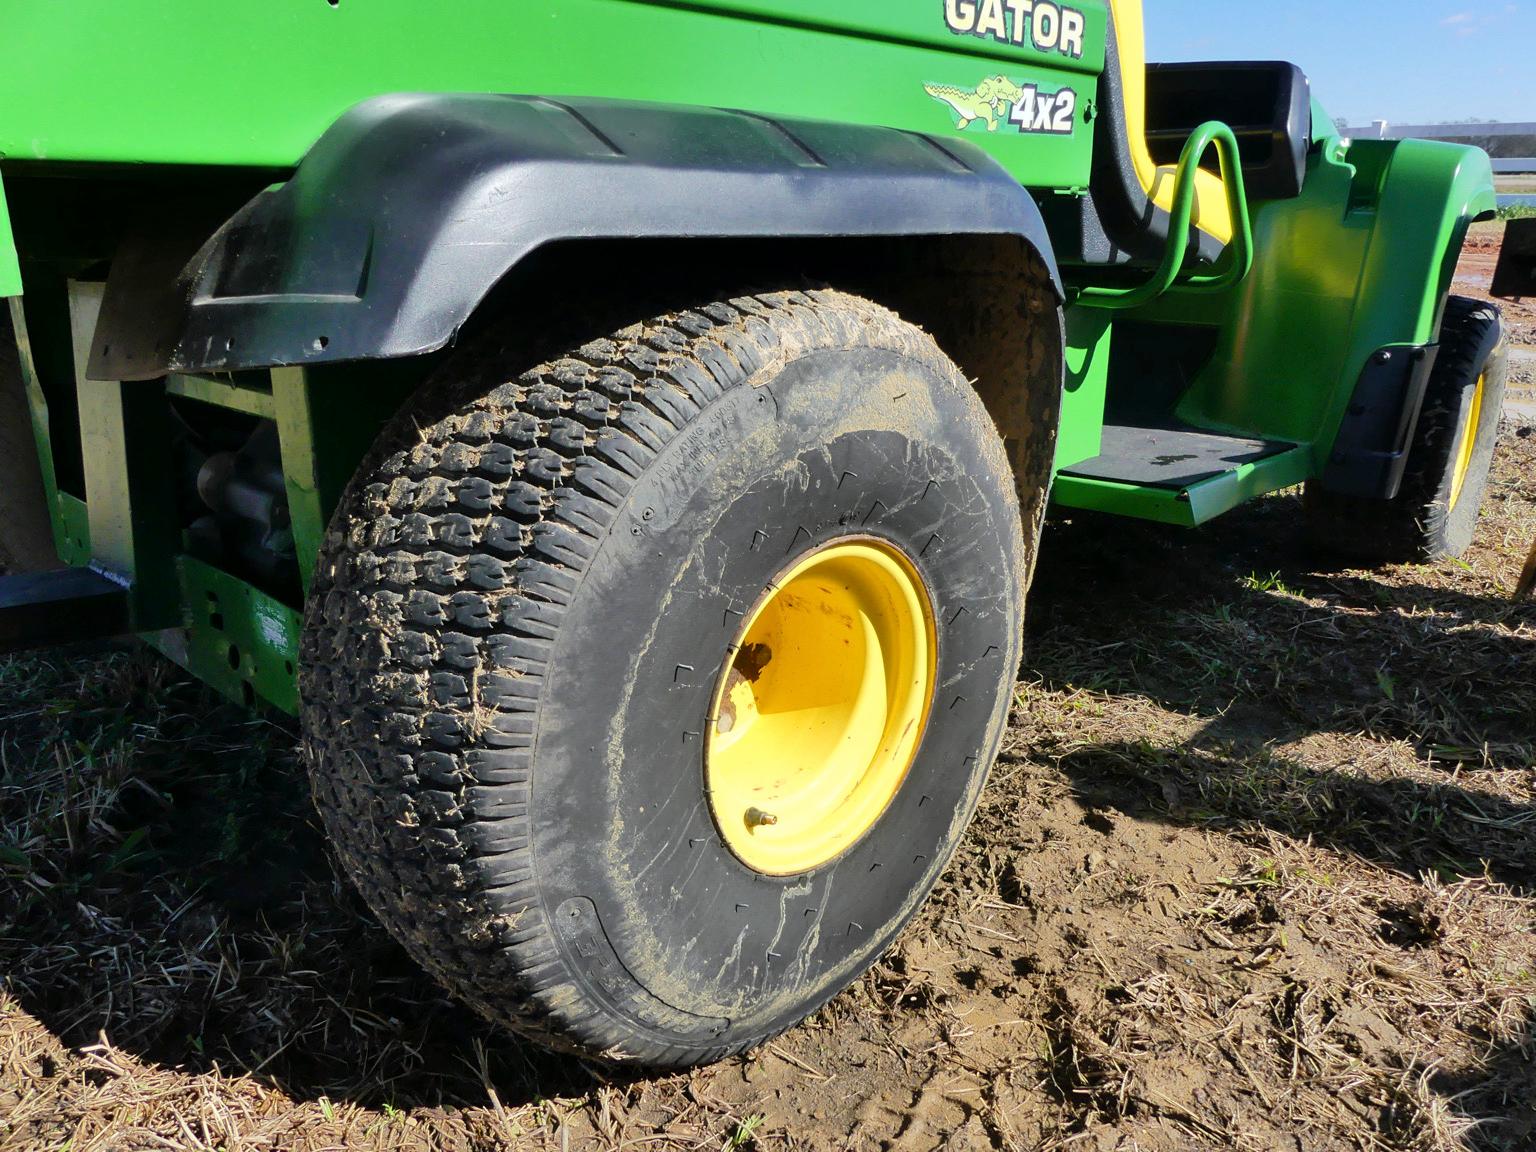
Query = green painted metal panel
x=10 y=267
x=66 y=542
x=72 y=529
x=1198 y=504
x=223 y=392
x=310 y=496
x=1161 y=505
x=129 y=491
x=250 y=82
x=327 y=420
x=234 y=637
x=1221 y=494
x=1081 y=433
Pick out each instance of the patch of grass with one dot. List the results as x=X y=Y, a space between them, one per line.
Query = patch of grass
x=1273 y=582
x=743 y=1136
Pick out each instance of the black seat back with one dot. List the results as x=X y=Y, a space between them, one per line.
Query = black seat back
x=1268 y=104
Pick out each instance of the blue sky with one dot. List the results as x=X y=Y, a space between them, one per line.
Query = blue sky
x=1409 y=61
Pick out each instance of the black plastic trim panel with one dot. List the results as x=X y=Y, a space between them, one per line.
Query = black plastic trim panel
x=1370 y=452
x=410 y=208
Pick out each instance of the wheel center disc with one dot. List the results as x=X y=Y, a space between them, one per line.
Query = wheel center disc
x=1468 y=443
x=818 y=716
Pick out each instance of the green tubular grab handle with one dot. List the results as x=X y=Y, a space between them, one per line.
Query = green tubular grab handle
x=1241 y=249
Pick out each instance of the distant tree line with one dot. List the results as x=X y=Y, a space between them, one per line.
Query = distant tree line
x=1501 y=146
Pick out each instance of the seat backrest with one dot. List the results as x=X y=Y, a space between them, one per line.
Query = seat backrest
x=1212 y=214
x=1266 y=103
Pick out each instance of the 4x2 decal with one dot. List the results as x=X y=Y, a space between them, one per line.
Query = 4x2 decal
x=998 y=99
x=1053 y=113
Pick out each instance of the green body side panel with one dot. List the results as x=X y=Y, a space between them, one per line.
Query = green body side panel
x=76 y=85
x=10 y=267
x=1362 y=261
x=234 y=637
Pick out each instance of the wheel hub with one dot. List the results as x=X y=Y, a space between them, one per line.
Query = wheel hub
x=818 y=716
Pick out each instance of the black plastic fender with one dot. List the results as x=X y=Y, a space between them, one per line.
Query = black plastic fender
x=411 y=208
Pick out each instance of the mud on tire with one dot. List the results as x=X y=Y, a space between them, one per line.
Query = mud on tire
x=525 y=602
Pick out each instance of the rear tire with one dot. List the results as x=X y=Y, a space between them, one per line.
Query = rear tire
x=528 y=605
x=1435 y=513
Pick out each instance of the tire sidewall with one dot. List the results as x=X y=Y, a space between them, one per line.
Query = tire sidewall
x=655 y=918
x=1449 y=528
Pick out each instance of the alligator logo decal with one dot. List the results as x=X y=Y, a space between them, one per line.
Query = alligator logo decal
x=998 y=98
x=987 y=102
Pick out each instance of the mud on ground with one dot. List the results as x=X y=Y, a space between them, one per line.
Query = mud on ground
x=1256 y=871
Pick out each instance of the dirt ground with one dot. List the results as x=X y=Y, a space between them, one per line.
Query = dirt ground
x=1256 y=871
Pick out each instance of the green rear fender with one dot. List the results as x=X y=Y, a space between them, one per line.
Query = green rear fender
x=1430 y=194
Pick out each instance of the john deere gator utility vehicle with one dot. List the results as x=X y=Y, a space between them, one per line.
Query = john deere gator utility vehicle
x=620 y=431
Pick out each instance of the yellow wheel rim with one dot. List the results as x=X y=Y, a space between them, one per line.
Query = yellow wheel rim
x=818 y=715
x=1468 y=443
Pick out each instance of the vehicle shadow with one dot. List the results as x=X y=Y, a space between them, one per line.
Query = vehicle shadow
x=1242 y=619
x=177 y=899
x=1223 y=779
x=1220 y=781
x=1499 y=1095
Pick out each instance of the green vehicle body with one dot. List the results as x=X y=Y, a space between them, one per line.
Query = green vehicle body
x=112 y=98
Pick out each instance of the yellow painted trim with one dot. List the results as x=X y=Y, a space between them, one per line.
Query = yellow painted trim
x=1211 y=213
x=818 y=716
x=1468 y=443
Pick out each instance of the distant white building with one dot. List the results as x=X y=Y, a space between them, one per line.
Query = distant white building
x=1512 y=146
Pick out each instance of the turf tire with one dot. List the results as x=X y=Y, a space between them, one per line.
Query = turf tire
x=522 y=607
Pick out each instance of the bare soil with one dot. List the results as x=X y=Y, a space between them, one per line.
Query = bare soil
x=1474 y=276
x=1256 y=871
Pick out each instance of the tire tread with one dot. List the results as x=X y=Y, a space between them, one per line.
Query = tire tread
x=442 y=584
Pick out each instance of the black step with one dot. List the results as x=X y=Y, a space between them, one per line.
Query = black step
x=38 y=609
x=1174 y=458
